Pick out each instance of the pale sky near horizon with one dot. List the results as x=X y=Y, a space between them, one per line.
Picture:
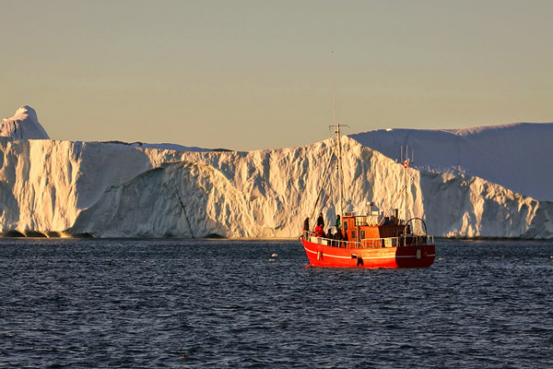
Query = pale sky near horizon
x=250 y=75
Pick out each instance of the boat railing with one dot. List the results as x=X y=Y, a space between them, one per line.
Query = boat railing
x=405 y=240
x=327 y=241
x=372 y=243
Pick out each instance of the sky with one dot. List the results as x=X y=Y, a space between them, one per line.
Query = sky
x=247 y=75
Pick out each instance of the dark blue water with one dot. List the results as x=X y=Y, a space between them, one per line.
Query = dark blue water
x=217 y=304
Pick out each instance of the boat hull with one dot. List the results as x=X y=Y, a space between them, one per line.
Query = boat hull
x=413 y=256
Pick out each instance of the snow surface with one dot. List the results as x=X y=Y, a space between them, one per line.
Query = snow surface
x=127 y=190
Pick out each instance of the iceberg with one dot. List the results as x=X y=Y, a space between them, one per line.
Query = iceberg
x=516 y=156
x=110 y=189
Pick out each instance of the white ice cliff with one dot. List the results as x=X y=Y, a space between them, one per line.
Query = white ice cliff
x=118 y=190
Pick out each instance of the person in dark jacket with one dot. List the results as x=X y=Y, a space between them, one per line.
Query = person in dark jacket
x=338 y=238
x=320 y=220
x=306 y=227
x=330 y=237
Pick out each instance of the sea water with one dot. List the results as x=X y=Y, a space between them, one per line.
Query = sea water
x=107 y=303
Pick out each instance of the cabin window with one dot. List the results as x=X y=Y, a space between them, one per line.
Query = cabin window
x=353 y=235
x=362 y=234
x=346 y=226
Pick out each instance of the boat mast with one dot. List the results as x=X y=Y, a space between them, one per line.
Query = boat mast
x=339 y=169
x=408 y=161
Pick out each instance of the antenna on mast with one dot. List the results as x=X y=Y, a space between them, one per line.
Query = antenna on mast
x=338 y=142
x=334 y=96
x=336 y=128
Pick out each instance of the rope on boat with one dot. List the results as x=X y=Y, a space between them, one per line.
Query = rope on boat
x=312 y=215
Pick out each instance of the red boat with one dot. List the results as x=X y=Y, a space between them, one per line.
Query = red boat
x=374 y=240
x=371 y=245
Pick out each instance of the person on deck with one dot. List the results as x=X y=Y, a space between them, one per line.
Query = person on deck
x=306 y=226
x=319 y=231
x=320 y=220
x=338 y=222
x=338 y=238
